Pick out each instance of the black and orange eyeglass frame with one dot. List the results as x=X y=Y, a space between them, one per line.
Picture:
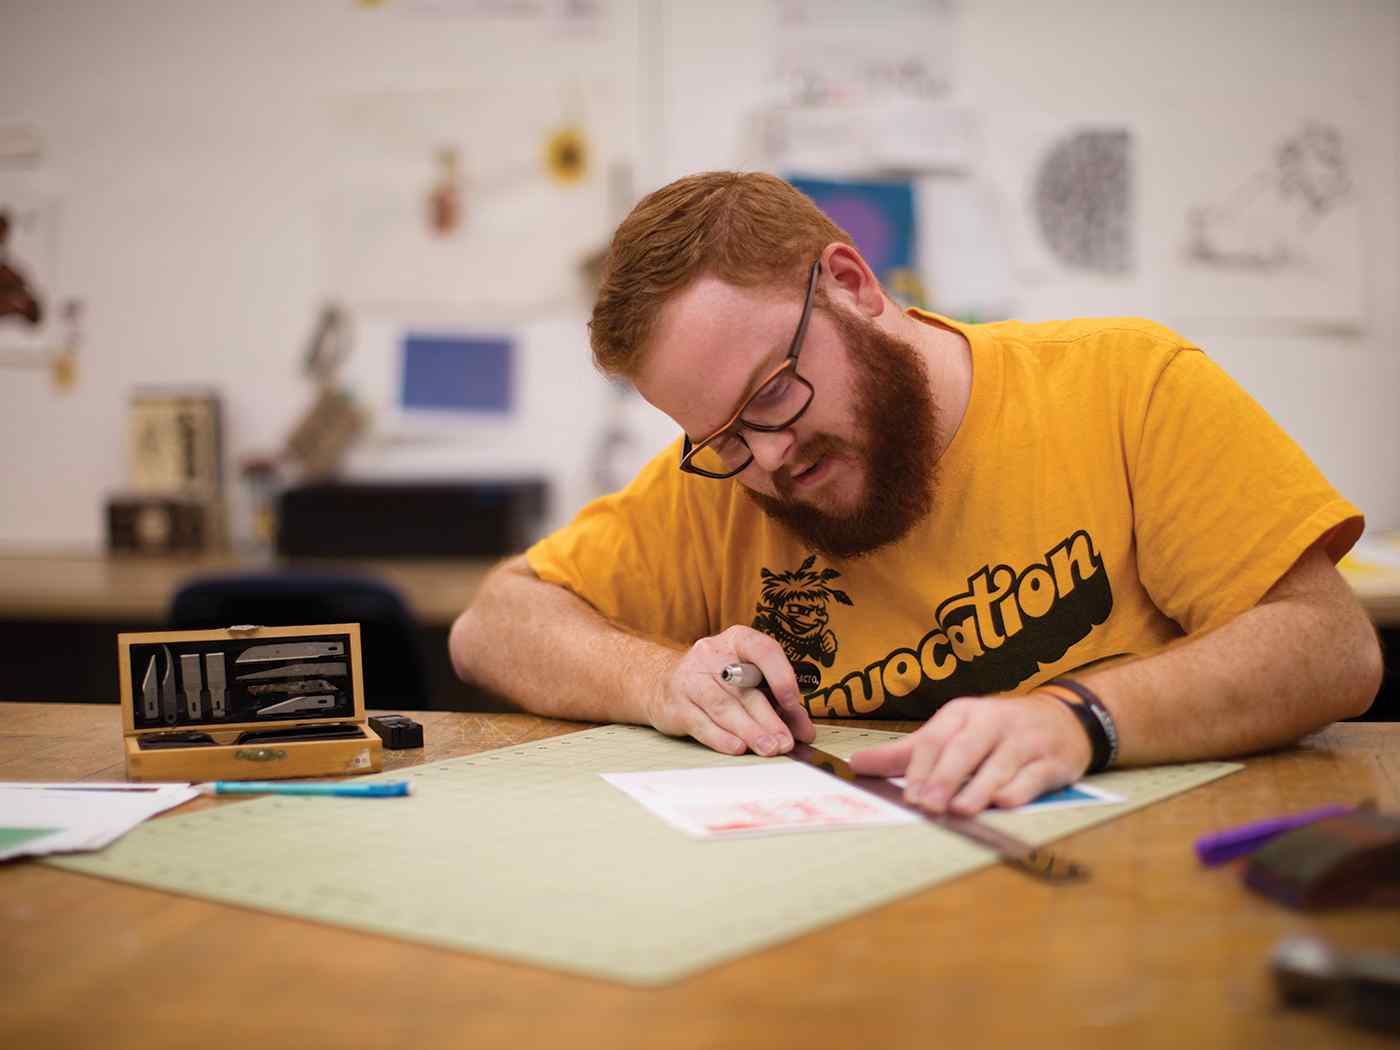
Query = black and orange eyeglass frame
x=732 y=429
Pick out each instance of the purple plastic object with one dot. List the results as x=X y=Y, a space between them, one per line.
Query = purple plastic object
x=1236 y=842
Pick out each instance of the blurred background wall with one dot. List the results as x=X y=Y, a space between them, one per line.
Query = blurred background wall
x=205 y=177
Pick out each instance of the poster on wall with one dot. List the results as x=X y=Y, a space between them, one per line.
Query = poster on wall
x=879 y=216
x=444 y=198
x=852 y=95
x=1272 y=233
x=39 y=329
x=1071 y=195
x=555 y=17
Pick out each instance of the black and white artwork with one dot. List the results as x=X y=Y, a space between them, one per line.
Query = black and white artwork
x=1082 y=201
x=1274 y=235
x=1268 y=221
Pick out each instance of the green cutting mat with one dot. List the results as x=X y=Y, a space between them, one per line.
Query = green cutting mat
x=528 y=854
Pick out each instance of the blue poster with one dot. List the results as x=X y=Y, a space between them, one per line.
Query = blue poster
x=879 y=216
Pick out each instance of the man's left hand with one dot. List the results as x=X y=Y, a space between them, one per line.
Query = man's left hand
x=981 y=751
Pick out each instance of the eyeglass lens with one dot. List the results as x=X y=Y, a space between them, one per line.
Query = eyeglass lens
x=776 y=404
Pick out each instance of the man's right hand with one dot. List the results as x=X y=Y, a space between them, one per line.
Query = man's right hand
x=692 y=701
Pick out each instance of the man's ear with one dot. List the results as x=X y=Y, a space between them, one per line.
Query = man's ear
x=848 y=277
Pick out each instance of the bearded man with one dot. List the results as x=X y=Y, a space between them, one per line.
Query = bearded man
x=1062 y=546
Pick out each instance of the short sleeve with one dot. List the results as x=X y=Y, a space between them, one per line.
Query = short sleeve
x=630 y=556
x=1224 y=502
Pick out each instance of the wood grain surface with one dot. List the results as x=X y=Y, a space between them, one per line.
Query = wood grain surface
x=1154 y=951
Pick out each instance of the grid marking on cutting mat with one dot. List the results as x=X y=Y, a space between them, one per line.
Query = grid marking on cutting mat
x=526 y=853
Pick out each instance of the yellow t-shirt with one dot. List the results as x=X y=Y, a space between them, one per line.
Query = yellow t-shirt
x=1108 y=490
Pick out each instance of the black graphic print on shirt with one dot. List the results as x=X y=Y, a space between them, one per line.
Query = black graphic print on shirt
x=987 y=638
x=792 y=609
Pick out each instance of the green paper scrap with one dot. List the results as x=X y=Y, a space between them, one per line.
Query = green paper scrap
x=526 y=853
x=10 y=837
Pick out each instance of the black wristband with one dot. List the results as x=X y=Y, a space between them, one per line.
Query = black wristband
x=1096 y=720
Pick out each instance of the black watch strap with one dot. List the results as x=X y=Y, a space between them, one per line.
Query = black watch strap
x=1097 y=721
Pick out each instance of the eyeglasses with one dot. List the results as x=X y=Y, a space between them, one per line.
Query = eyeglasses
x=777 y=404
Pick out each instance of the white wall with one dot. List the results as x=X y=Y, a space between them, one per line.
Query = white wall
x=197 y=151
x=1179 y=74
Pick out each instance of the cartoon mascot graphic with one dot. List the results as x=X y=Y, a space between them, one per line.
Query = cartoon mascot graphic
x=792 y=610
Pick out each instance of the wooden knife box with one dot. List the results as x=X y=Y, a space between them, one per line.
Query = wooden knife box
x=245 y=703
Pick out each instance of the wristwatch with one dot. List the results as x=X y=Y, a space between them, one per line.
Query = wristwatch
x=1097 y=721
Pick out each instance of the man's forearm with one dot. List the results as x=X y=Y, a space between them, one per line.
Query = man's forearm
x=552 y=653
x=1304 y=657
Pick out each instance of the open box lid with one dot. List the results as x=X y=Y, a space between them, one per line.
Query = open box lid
x=239 y=678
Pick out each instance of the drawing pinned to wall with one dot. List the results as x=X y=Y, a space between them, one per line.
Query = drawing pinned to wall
x=1066 y=192
x=571 y=17
x=833 y=53
x=19 y=298
x=1082 y=199
x=38 y=329
x=1276 y=236
x=1266 y=223
x=854 y=95
x=446 y=199
x=880 y=218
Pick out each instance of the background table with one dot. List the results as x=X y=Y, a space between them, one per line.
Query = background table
x=1154 y=951
x=60 y=615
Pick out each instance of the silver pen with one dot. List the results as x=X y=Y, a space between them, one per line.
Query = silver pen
x=743 y=674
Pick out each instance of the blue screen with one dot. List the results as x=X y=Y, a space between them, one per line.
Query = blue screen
x=458 y=373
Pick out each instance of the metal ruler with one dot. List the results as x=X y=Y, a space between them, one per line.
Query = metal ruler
x=1037 y=862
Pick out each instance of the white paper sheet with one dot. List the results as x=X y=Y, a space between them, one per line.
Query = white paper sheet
x=37 y=819
x=755 y=800
x=765 y=799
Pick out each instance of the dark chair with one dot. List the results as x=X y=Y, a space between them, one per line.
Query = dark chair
x=389 y=637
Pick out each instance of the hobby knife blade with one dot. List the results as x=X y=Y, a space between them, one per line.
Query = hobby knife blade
x=150 y=691
x=330 y=670
x=299 y=703
x=301 y=685
x=193 y=680
x=259 y=654
x=214 y=667
x=168 y=698
x=1037 y=862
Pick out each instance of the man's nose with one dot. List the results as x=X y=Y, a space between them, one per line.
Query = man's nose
x=770 y=448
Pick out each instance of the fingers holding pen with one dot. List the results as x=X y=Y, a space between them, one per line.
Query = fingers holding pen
x=734 y=691
x=728 y=717
x=782 y=692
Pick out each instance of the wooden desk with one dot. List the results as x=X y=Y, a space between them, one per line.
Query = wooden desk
x=1154 y=952
x=139 y=588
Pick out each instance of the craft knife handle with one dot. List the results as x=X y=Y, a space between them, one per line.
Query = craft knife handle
x=741 y=675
